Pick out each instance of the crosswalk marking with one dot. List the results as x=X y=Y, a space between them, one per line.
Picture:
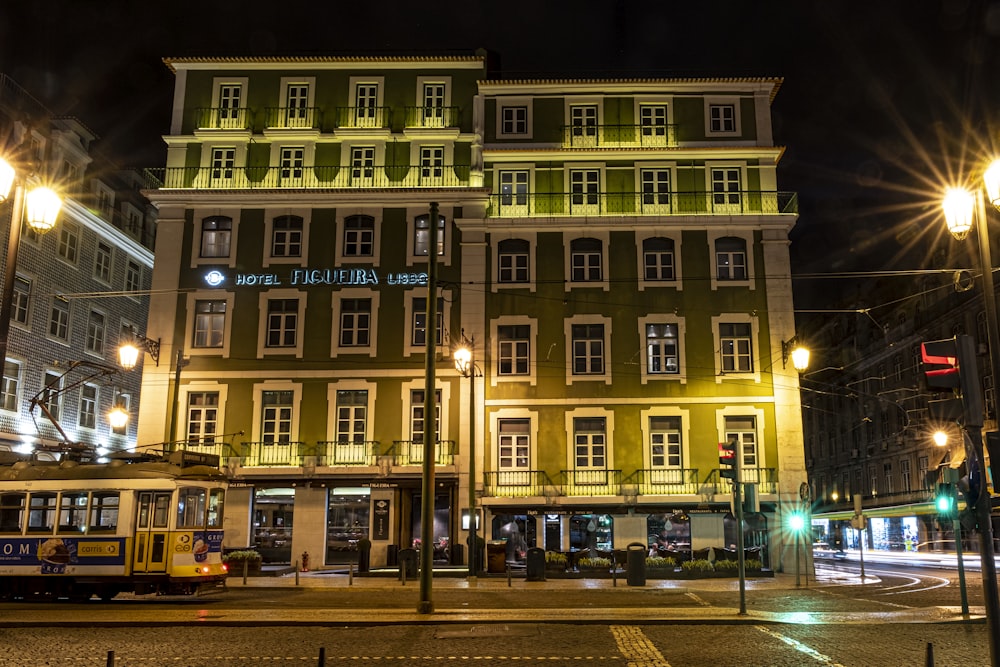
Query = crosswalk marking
x=636 y=647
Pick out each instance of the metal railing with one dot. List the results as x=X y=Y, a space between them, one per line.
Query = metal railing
x=292 y=117
x=766 y=480
x=347 y=453
x=555 y=204
x=223 y=118
x=516 y=483
x=362 y=117
x=223 y=450
x=276 y=177
x=619 y=136
x=665 y=481
x=411 y=452
x=258 y=454
x=432 y=116
x=591 y=482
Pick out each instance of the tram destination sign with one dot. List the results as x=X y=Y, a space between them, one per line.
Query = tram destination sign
x=352 y=277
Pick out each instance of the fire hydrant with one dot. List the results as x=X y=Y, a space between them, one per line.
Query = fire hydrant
x=305 y=561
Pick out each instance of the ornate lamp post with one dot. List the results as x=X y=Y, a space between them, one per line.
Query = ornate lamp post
x=467 y=367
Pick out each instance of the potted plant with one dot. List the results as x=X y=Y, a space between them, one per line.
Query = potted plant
x=555 y=561
x=243 y=560
x=661 y=566
x=594 y=564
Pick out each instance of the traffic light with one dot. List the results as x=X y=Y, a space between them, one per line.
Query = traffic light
x=797 y=522
x=727 y=459
x=941 y=368
x=951 y=365
x=944 y=501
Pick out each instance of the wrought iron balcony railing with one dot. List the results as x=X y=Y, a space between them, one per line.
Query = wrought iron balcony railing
x=297 y=176
x=766 y=480
x=347 y=453
x=559 y=204
x=264 y=453
x=364 y=117
x=619 y=136
x=516 y=483
x=292 y=117
x=224 y=118
x=591 y=482
x=411 y=452
x=432 y=116
x=212 y=446
x=665 y=481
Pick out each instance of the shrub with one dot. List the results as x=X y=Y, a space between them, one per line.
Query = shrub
x=241 y=555
x=727 y=566
x=754 y=564
x=657 y=561
x=700 y=565
x=595 y=562
x=555 y=559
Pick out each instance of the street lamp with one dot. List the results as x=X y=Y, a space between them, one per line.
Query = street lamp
x=962 y=209
x=465 y=364
x=129 y=350
x=39 y=207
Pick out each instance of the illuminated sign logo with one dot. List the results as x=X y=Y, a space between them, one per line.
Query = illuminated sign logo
x=214 y=278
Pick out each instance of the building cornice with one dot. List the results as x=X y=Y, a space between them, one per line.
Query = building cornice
x=324 y=62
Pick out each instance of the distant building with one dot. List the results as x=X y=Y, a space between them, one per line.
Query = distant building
x=616 y=249
x=79 y=286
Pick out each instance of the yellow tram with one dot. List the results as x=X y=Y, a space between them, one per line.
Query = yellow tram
x=137 y=524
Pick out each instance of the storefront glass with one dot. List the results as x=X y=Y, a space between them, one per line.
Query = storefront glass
x=669 y=534
x=518 y=532
x=273 y=514
x=591 y=531
x=347 y=521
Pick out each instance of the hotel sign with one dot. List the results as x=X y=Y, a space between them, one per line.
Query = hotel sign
x=314 y=277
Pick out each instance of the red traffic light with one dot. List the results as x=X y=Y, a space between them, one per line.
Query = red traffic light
x=941 y=367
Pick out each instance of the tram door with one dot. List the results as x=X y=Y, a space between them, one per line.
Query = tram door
x=151 y=534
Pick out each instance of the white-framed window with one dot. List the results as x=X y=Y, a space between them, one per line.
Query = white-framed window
x=59 y=318
x=658 y=261
x=418 y=420
x=10 y=388
x=216 y=236
x=583 y=123
x=433 y=99
x=210 y=323
x=905 y=476
x=731 y=259
x=69 y=242
x=431 y=164
x=366 y=99
x=96 y=331
x=514 y=118
x=586 y=260
x=351 y=415
x=743 y=428
x=21 y=301
x=736 y=336
x=88 y=406
x=291 y=164
x=202 y=417
x=722 y=116
x=297 y=101
x=222 y=165
x=133 y=276
x=513 y=349
x=282 y=323
x=286 y=236
x=418 y=329
x=588 y=349
x=230 y=112
x=277 y=408
x=585 y=191
x=362 y=166
x=422 y=235
x=653 y=124
x=590 y=443
x=514 y=443
x=726 y=189
x=102 y=262
x=513 y=199
x=665 y=446
x=355 y=322
x=513 y=261
x=654 y=184
x=359 y=236
x=52 y=393
x=105 y=200
x=662 y=349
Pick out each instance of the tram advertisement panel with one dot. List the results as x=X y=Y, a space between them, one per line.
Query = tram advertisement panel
x=194 y=547
x=58 y=555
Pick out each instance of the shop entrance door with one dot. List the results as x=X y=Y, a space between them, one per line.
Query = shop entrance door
x=442 y=524
x=150 y=549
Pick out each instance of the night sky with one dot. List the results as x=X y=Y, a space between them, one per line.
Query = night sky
x=882 y=99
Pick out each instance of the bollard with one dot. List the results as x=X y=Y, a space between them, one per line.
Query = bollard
x=930 y=655
x=508 y=575
x=296 y=573
x=402 y=572
x=245 y=571
x=350 y=574
x=614 y=572
x=111 y=659
x=322 y=656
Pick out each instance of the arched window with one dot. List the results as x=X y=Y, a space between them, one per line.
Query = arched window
x=421 y=235
x=286 y=236
x=731 y=258
x=359 y=236
x=512 y=261
x=585 y=260
x=658 y=258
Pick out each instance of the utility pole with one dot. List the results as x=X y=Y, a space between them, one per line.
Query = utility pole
x=426 y=605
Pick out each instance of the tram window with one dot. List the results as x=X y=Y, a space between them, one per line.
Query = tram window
x=41 y=512
x=160 y=510
x=103 y=513
x=11 y=512
x=191 y=508
x=216 y=501
x=73 y=512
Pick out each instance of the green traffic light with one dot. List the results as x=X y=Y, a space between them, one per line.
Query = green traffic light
x=796 y=522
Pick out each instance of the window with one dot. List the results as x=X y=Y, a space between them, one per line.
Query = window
x=661 y=348
x=209 y=323
x=133 y=277
x=366 y=104
x=589 y=443
x=102 y=262
x=417 y=417
x=69 y=242
x=658 y=259
x=191 y=506
x=103 y=512
x=282 y=322
x=420 y=321
x=585 y=260
x=355 y=322
x=514 y=120
x=297 y=105
x=362 y=165
x=105 y=201
x=431 y=162
x=88 y=406
x=276 y=417
x=665 y=442
x=514 y=349
x=223 y=165
x=588 y=349
x=51 y=394
x=20 y=301
x=95 y=332
x=59 y=318
x=722 y=118
x=422 y=233
x=744 y=431
x=887 y=473
x=11 y=512
x=291 y=161
x=230 y=96
x=133 y=223
x=904 y=475
x=655 y=185
x=9 y=386
x=583 y=125
x=216 y=236
x=352 y=415
x=585 y=187
x=512 y=261
x=124 y=401
x=514 y=447
x=72 y=512
x=203 y=417
x=736 y=345
x=286 y=236
x=433 y=104
x=653 y=124
x=726 y=189
x=359 y=236
x=731 y=258
x=41 y=512
x=513 y=192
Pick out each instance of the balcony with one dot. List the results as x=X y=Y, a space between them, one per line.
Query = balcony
x=411 y=453
x=363 y=117
x=301 y=177
x=287 y=118
x=766 y=480
x=665 y=481
x=223 y=118
x=271 y=454
x=517 y=483
x=432 y=117
x=560 y=204
x=591 y=482
x=619 y=136
x=338 y=453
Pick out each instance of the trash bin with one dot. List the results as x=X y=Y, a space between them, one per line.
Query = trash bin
x=364 y=554
x=392 y=555
x=457 y=554
x=408 y=563
x=496 y=557
x=636 y=564
x=536 y=564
